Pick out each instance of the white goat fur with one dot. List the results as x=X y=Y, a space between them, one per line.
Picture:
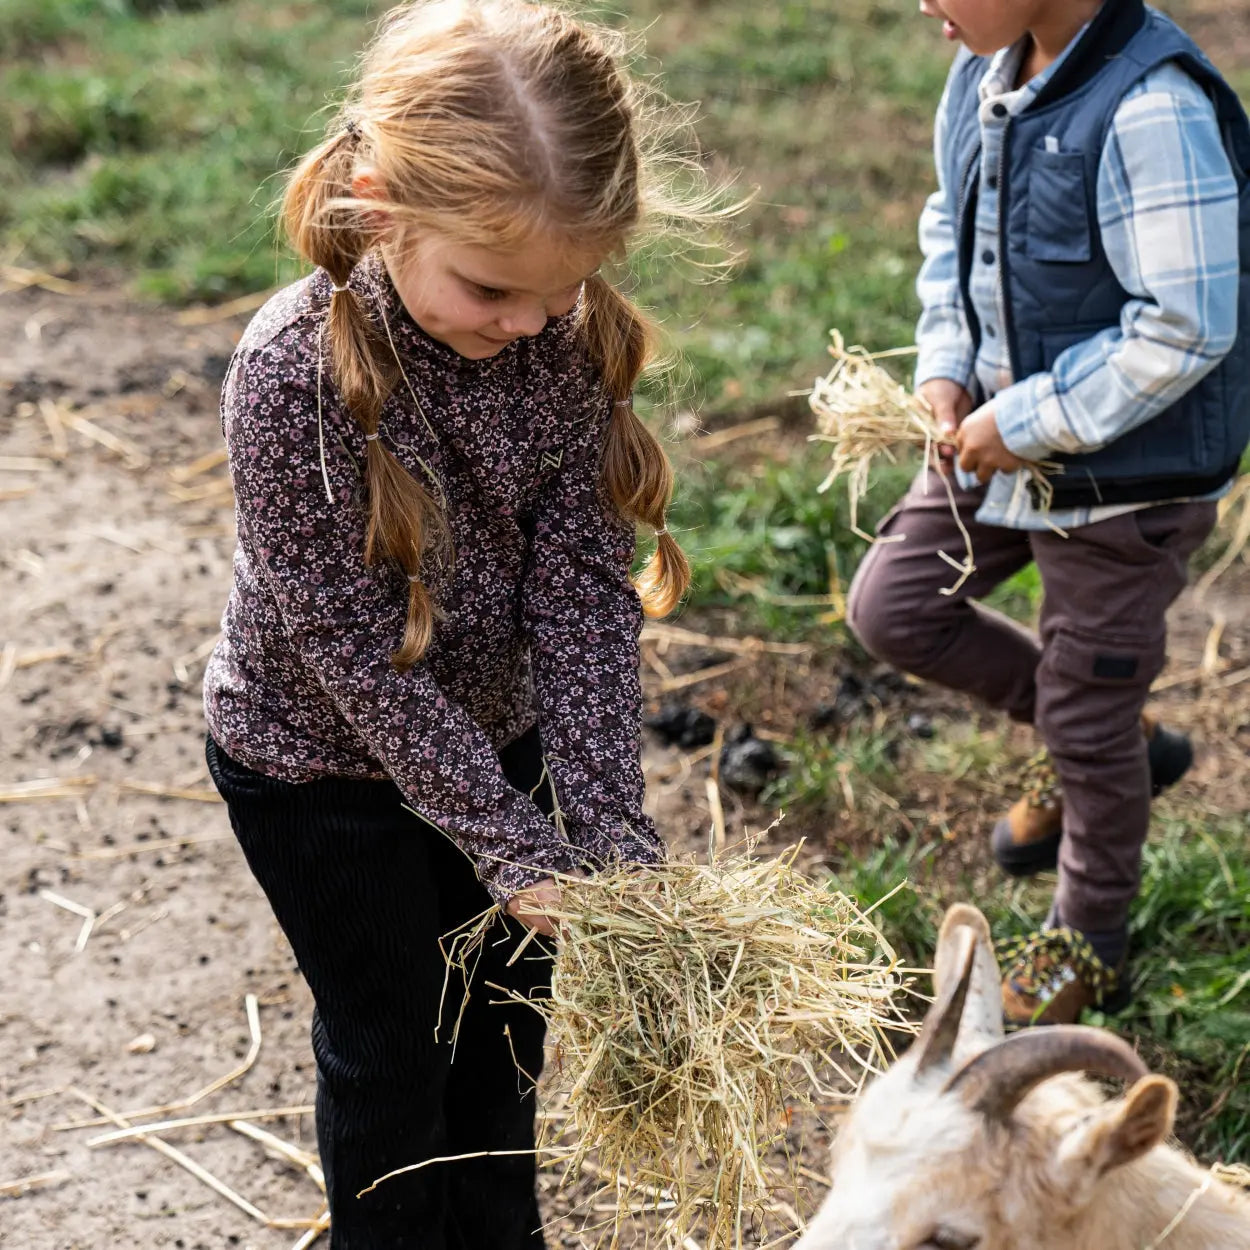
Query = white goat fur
x=917 y=1168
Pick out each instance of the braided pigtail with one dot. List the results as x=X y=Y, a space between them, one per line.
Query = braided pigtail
x=636 y=470
x=326 y=226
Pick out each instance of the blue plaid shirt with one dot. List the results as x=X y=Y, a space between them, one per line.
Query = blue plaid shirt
x=1167 y=212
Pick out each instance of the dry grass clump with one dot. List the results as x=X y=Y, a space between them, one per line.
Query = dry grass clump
x=864 y=412
x=691 y=1005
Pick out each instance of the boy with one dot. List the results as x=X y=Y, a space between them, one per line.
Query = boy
x=1085 y=290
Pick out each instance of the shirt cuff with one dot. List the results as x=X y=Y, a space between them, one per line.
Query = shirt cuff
x=948 y=367
x=945 y=357
x=1016 y=415
x=629 y=842
x=505 y=878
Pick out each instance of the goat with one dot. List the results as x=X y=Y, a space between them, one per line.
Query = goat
x=974 y=1139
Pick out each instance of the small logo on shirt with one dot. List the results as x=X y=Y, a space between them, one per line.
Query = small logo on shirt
x=551 y=459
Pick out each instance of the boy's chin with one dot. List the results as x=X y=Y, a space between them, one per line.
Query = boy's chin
x=981 y=49
x=978 y=45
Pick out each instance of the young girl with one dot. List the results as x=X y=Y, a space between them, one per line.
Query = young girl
x=432 y=635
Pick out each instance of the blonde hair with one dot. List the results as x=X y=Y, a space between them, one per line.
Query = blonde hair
x=490 y=122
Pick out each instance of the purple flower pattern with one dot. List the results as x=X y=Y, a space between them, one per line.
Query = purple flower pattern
x=537 y=620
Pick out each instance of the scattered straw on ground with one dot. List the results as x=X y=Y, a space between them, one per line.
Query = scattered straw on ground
x=240 y=1122
x=45 y=788
x=1236 y=1174
x=692 y=1007
x=28 y=1184
x=251 y=1007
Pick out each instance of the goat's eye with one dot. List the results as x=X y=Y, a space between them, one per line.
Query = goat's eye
x=948 y=1239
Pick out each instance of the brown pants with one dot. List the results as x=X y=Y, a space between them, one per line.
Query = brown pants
x=1083 y=684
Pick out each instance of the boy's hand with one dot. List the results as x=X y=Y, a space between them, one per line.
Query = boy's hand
x=529 y=906
x=951 y=403
x=981 y=447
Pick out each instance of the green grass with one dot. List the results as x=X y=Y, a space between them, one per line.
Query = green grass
x=825 y=112
x=824 y=776
x=959 y=749
x=1020 y=596
x=760 y=535
x=1191 y=930
x=149 y=137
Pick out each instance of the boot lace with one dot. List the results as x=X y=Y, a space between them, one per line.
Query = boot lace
x=1038 y=782
x=1044 y=961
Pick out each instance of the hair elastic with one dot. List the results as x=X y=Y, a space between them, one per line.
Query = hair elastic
x=370 y=438
x=624 y=403
x=336 y=288
x=663 y=530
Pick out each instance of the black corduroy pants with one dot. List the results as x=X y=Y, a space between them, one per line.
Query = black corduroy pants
x=364 y=890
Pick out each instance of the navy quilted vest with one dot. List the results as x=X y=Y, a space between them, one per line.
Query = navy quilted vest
x=1060 y=288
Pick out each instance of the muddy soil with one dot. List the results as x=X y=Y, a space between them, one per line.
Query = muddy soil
x=115 y=544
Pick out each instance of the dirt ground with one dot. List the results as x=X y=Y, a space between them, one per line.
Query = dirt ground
x=115 y=549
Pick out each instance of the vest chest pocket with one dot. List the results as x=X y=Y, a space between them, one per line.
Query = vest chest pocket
x=1058 y=208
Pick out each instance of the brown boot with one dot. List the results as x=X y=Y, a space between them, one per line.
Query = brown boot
x=1026 y=840
x=1053 y=975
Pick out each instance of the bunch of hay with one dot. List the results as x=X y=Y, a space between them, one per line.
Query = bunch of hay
x=864 y=412
x=691 y=1005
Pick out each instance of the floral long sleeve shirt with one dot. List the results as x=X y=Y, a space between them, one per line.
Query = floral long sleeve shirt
x=537 y=619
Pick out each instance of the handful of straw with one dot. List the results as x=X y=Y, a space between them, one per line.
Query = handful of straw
x=864 y=412
x=691 y=1004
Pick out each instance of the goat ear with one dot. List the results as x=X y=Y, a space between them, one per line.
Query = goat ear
x=982 y=1021
x=937 y=1039
x=1116 y=1134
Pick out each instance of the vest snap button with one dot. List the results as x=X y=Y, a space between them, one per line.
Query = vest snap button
x=990 y=332
x=987 y=257
x=999 y=110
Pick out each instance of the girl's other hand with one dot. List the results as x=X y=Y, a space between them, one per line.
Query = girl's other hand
x=530 y=905
x=981 y=447
x=951 y=403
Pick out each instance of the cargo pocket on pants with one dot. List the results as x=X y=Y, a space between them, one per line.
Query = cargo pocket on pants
x=1090 y=689
x=1083 y=659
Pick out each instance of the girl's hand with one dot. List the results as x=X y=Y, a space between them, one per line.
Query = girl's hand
x=981 y=447
x=530 y=905
x=951 y=403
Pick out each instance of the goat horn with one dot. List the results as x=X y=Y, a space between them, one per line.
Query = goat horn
x=941 y=1025
x=995 y=1081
